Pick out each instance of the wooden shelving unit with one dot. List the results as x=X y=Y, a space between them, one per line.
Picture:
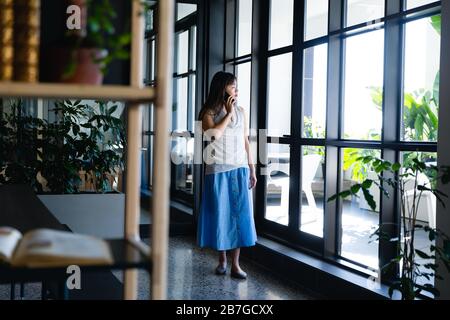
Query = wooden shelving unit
x=75 y=91
x=135 y=96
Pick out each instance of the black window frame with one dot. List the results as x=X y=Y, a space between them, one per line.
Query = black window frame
x=390 y=145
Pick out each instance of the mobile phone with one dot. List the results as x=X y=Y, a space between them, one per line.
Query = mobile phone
x=225 y=97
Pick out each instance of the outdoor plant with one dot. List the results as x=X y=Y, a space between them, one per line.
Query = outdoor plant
x=421 y=107
x=415 y=265
x=313 y=130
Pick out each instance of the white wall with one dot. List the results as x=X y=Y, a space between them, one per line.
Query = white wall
x=443 y=215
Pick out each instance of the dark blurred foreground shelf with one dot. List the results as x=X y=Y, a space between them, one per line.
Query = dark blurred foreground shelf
x=125 y=256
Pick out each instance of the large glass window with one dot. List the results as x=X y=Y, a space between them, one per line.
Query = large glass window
x=240 y=63
x=147 y=113
x=183 y=108
x=314 y=91
x=359 y=222
x=313 y=187
x=420 y=205
x=421 y=91
x=281 y=23
x=352 y=85
x=277 y=202
x=316 y=24
x=279 y=97
x=182 y=154
x=244 y=88
x=411 y=4
x=183 y=52
x=364 y=86
x=185 y=9
x=244 y=43
x=360 y=11
x=180 y=109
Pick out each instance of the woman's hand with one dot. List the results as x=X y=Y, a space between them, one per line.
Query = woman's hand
x=253 y=179
x=230 y=104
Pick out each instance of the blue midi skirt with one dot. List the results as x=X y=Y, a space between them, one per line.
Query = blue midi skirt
x=226 y=214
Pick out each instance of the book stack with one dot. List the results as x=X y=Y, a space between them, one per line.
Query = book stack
x=26 y=40
x=6 y=40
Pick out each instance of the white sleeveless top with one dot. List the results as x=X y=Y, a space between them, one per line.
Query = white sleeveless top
x=228 y=152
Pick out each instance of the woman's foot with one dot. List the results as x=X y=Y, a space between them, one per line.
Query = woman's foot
x=238 y=273
x=221 y=269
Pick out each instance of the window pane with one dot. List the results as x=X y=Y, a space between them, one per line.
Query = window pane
x=145 y=147
x=185 y=9
x=149 y=20
x=277 y=202
x=145 y=60
x=313 y=167
x=411 y=4
x=152 y=117
x=150 y=163
x=182 y=157
x=279 y=108
x=359 y=222
x=360 y=11
x=192 y=104
x=183 y=52
x=316 y=19
x=363 y=86
x=243 y=82
x=194 y=49
x=425 y=206
x=153 y=61
x=315 y=91
x=281 y=23
x=245 y=28
x=179 y=115
x=421 y=96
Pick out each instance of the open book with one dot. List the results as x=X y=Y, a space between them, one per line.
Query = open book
x=51 y=248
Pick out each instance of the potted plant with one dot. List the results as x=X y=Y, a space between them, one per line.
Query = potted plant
x=73 y=162
x=414 y=264
x=83 y=56
x=18 y=141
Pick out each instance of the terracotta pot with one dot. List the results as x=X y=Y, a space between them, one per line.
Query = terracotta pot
x=86 y=70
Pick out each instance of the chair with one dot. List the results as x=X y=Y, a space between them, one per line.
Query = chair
x=426 y=210
x=310 y=164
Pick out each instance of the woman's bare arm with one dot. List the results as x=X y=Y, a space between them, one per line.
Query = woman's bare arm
x=212 y=129
x=247 y=143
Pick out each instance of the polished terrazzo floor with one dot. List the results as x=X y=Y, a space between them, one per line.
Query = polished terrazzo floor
x=191 y=277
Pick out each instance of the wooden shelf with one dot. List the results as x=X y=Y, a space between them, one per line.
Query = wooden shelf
x=125 y=256
x=77 y=91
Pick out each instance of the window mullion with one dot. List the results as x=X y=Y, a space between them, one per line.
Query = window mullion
x=331 y=214
x=295 y=174
x=392 y=100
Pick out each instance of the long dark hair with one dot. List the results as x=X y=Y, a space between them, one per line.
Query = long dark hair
x=214 y=101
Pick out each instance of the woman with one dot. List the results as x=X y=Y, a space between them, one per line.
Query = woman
x=226 y=215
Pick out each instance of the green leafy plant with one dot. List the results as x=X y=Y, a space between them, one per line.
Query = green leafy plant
x=50 y=156
x=100 y=33
x=421 y=107
x=359 y=169
x=18 y=141
x=313 y=130
x=414 y=264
